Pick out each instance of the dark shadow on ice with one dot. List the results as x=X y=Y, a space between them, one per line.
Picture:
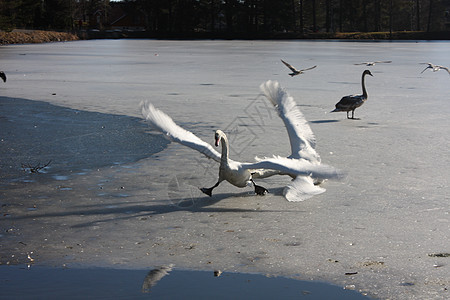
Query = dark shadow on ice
x=35 y=132
x=124 y=211
x=324 y=121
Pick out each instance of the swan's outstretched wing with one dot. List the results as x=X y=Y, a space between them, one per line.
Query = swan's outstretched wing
x=295 y=167
x=301 y=188
x=166 y=125
x=301 y=137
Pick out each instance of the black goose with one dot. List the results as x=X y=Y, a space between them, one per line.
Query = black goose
x=352 y=102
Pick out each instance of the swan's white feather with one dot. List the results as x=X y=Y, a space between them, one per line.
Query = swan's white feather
x=301 y=188
x=301 y=137
x=172 y=131
x=295 y=167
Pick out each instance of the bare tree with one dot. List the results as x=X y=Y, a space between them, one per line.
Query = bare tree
x=418 y=15
x=430 y=10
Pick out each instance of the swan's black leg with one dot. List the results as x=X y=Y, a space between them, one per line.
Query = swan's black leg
x=347 y=115
x=259 y=190
x=208 y=191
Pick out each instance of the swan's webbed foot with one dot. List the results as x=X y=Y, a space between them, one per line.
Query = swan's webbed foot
x=207 y=191
x=259 y=190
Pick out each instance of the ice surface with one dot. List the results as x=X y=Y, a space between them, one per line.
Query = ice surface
x=379 y=229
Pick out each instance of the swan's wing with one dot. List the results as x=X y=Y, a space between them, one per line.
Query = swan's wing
x=301 y=137
x=295 y=167
x=289 y=66
x=166 y=125
x=359 y=64
x=308 y=69
x=301 y=188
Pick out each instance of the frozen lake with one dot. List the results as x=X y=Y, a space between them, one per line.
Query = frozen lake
x=115 y=194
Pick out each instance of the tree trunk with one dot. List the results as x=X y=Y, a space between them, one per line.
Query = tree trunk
x=302 y=25
x=390 y=19
x=430 y=9
x=327 y=15
x=418 y=15
x=314 y=15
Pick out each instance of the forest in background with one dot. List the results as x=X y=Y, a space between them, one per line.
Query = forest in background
x=231 y=17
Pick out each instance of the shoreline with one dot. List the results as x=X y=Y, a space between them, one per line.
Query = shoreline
x=18 y=36
x=35 y=37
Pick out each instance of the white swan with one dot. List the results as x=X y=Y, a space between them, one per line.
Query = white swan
x=294 y=70
x=352 y=102
x=237 y=173
x=302 y=140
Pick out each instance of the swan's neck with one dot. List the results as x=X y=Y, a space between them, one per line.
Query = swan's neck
x=225 y=148
x=363 y=86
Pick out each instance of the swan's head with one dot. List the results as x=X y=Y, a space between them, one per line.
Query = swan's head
x=217 y=136
x=367 y=72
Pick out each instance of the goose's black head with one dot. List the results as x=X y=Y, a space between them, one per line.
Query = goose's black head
x=367 y=72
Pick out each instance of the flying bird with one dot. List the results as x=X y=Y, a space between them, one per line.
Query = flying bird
x=294 y=70
x=3 y=76
x=302 y=141
x=433 y=67
x=372 y=63
x=239 y=174
x=352 y=102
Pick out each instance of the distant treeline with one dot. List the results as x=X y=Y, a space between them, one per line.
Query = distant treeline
x=233 y=16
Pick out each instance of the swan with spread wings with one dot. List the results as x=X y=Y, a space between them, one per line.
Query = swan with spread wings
x=239 y=174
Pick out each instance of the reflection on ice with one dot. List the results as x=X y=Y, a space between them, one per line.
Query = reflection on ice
x=154 y=276
x=33 y=281
x=60 y=177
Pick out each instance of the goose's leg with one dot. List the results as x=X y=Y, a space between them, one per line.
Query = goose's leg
x=353 y=116
x=208 y=191
x=259 y=190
